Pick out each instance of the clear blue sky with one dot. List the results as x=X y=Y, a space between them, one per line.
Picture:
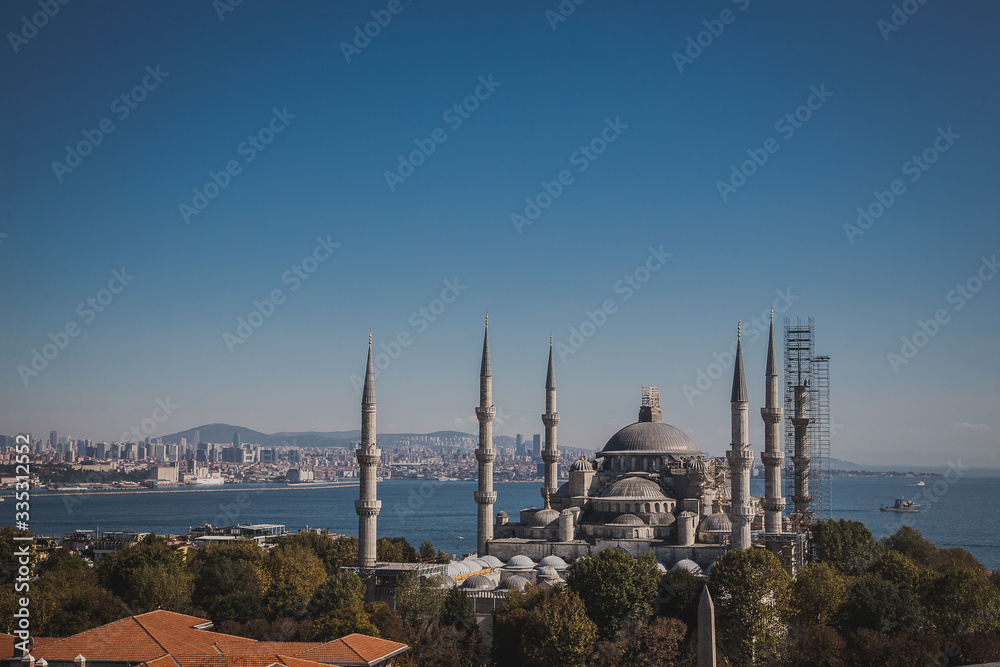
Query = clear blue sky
x=607 y=68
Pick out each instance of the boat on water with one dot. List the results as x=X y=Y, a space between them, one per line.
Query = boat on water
x=921 y=483
x=207 y=481
x=901 y=505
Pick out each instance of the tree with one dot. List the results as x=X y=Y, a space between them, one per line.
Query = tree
x=818 y=594
x=752 y=595
x=343 y=621
x=458 y=611
x=339 y=591
x=387 y=621
x=62 y=558
x=147 y=575
x=846 y=545
x=427 y=551
x=680 y=593
x=878 y=605
x=227 y=581
x=657 y=643
x=542 y=627
x=394 y=550
x=614 y=586
x=958 y=597
x=10 y=562
x=818 y=646
x=909 y=542
x=294 y=573
x=896 y=568
x=344 y=552
x=330 y=553
x=418 y=601
x=65 y=601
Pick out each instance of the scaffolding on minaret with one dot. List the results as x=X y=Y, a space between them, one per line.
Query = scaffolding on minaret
x=804 y=367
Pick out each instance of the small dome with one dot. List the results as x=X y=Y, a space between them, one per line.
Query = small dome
x=627 y=520
x=502 y=514
x=514 y=582
x=543 y=518
x=687 y=564
x=548 y=572
x=554 y=562
x=455 y=570
x=478 y=582
x=492 y=561
x=520 y=562
x=661 y=567
x=479 y=564
x=443 y=581
x=634 y=488
x=716 y=523
x=581 y=465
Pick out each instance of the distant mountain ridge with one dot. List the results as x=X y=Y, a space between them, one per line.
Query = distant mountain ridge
x=223 y=433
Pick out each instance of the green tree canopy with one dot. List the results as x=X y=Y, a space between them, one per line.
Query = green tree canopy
x=959 y=597
x=542 y=627
x=656 y=643
x=614 y=586
x=752 y=595
x=293 y=574
x=846 y=545
x=333 y=553
x=227 y=581
x=67 y=601
x=339 y=591
x=909 y=542
x=418 y=601
x=679 y=595
x=894 y=567
x=148 y=575
x=9 y=562
x=879 y=605
x=818 y=594
x=395 y=550
x=458 y=610
x=343 y=621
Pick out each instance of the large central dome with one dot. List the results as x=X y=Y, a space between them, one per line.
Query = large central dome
x=650 y=437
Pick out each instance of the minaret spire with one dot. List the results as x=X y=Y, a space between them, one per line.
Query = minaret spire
x=772 y=457
x=367 y=506
x=550 y=455
x=740 y=457
x=485 y=454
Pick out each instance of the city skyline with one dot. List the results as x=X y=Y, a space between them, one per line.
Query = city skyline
x=209 y=209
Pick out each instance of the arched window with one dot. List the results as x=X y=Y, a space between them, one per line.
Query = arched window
x=656 y=508
x=645 y=463
x=647 y=507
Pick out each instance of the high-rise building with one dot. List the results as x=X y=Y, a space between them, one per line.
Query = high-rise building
x=519 y=445
x=53 y=439
x=536 y=446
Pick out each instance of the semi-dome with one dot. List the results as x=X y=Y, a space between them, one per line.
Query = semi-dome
x=478 y=582
x=652 y=437
x=716 y=523
x=543 y=518
x=520 y=562
x=627 y=520
x=634 y=488
x=515 y=582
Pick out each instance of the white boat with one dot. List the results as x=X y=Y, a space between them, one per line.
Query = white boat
x=207 y=481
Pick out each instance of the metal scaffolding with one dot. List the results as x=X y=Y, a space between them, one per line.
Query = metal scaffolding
x=804 y=367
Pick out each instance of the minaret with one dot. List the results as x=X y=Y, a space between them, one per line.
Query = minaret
x=800 y=459
x=551 y=454
x=485 y=454
x=772 y=456
x=740 y=457
x=367 y=506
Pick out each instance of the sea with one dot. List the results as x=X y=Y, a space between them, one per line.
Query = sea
x=956 y=510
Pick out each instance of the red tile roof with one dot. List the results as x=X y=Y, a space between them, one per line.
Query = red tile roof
x=168 y=639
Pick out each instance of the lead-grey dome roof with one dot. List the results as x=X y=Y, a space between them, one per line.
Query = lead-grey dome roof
x=650 y=438
x=634 y=488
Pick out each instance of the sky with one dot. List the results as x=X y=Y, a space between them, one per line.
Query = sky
x=206 y=206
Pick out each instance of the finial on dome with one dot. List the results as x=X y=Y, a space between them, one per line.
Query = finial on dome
x=738 y=331
x=545 y=494
x=369 y=338
x=772 y=314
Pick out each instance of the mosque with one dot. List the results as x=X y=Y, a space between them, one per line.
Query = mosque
x=650 y=489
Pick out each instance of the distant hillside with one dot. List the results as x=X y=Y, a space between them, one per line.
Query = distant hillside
x=223 y=433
